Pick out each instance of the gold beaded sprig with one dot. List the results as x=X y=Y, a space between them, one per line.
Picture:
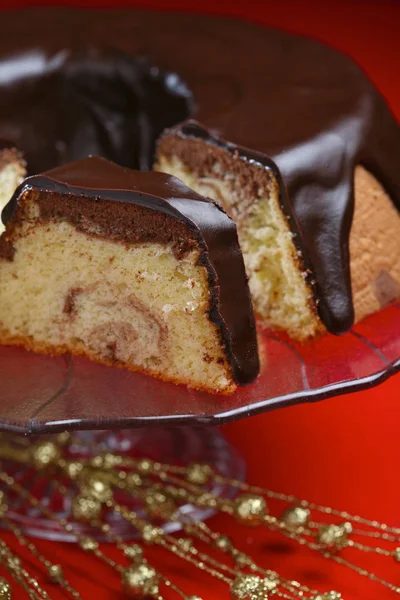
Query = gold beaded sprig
x=92 y=485
x=141 y=580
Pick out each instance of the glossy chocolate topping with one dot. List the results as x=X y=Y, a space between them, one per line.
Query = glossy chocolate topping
x=66 y=104
x=307 y=107
x=97 y=181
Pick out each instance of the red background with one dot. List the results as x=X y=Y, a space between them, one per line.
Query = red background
x=342 y=452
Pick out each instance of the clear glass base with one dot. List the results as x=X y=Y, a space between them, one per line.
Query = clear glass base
x=172 y=445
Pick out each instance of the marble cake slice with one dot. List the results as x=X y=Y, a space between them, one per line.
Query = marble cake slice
x=127 y=268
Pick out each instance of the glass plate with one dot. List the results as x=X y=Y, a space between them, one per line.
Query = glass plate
x=42 y=394
x=179 y=446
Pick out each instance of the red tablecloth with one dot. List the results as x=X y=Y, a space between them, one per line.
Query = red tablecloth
x=341 y=452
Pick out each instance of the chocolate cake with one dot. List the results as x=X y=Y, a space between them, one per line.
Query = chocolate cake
x=303 y=125
x=12 y=172
x=127 y=268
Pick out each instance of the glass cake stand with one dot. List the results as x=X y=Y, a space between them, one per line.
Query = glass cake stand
x=136 y=415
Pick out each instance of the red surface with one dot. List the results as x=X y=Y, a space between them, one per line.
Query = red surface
x=344 y=451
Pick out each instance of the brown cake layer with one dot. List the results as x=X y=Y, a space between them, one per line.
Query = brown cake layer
x=103 y=218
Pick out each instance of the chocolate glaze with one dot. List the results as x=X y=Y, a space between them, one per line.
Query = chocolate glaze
x=64 y=105
x=95 y=181
x=307 y=107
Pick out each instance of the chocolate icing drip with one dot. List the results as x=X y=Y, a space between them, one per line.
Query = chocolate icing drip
x=309 y=108
x=96 y=180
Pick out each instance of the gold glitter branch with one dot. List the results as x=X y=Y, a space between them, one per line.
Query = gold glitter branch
x=160 y=491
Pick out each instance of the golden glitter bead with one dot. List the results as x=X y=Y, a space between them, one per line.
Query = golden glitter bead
x=14 y=562
x=241 y=559
x=5 y=589
x=250 y=509
x=396 y=554
x=97 y=461
x=86 y=509
x=194 y=598
x=140 y=581
x=55 y=573
x=74 y=469
x=270 y=584
x=144 y=466
x=133 y=480
x=295 y=517
x=151 y=534
x=328 y=596
x=106 y=461
x=198 y=473
x=45 y=454
x=97 y=486
x=185 y=544
x=224 y=543
x=245 y=586
x=250 y=587
x=334 y=536
x=159 y=506
x=134 y=552
x=88 y=544
x=206 y=499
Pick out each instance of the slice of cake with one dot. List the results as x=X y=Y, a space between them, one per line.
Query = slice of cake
x=12 y=172
x=127 y=268
x=318 y=263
